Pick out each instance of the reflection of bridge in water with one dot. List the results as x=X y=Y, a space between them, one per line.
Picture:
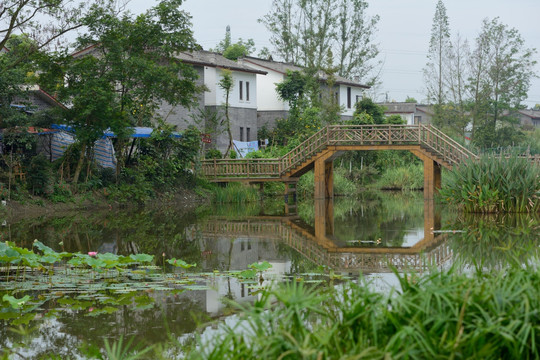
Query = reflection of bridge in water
x=317 y=245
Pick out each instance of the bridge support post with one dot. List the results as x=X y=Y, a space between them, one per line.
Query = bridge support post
x=324 y=179
x=432 y=178
x=290 y=198
x=324 y=218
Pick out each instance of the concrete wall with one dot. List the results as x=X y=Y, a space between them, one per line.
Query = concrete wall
x=240 y=117
x=269 y=118
x=266 y=88
x=356 y=93
x=180 y=116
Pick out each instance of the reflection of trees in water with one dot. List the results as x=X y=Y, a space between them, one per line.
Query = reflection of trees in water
x=375 y=215
x=142 y=231
x=493 y=241
x=300 y=264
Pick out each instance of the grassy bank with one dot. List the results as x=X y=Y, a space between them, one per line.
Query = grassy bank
x=443 y=315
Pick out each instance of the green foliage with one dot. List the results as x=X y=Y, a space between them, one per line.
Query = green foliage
x=367 y=106
x=40 y=175
x=494 y=184
x=342 y=185
x=235 y=193
x=443 y=313
x=213 y=154
x=61 y=193
x=408 y=177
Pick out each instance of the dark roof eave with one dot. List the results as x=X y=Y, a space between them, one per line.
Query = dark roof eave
x=204 y=63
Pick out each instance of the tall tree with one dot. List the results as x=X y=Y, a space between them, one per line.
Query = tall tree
x=233 y=50
x=354 y=41
x=281 y=21
x=44 y=22
x=305 y=32
x=456 y=115
x=226 y=83
x=129 y=70
x=434 y=72
x=503 y=68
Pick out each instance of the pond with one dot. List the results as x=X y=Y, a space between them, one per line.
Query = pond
x=71 y=313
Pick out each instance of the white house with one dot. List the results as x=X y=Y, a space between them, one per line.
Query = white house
x=242 y=98
x=270 y=107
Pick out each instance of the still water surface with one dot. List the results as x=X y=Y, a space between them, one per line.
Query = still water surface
x=346 y=236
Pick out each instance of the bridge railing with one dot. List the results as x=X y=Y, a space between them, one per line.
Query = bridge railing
x=442 y=145
x=241 y=168
x=429 y=137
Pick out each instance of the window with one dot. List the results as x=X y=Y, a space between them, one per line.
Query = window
x=417 y=120
x=241 y=90
x=247 y=133
x=247 y=91
x=348 y=97
x=241 y=133
x=358 y=98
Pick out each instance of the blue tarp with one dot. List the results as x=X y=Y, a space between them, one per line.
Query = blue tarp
x=138 y=132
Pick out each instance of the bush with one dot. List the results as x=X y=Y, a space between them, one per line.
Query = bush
x=441 y=315
x=40 y=177
x=409 y=177
x=494 y=184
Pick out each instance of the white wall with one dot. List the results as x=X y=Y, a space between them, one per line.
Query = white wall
x=266 y=88
x=355 y=91
x=211 y=84
x=217 y=94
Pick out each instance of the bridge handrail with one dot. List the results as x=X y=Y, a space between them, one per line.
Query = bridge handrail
x=265 y=167
x=442 y=145
x=306 y=149
x=449 y=149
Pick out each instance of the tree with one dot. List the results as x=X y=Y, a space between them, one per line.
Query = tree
x=410 y=99
x=233 y=51
x=129 y=73
x=354 y=41
x=305 y=32
x=502 y=69
x=42 y=21
x=434 y=72
x=281 y=22
x=226 y=83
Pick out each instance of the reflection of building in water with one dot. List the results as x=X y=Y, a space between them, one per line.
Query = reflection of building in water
x=235 y=251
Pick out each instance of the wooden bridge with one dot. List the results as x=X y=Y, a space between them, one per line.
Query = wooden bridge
x=431 y=145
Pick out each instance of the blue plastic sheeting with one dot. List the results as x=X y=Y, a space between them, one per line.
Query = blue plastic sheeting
x=138 y=132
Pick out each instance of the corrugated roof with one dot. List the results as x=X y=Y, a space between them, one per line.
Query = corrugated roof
x=533 y=114
x=282 y=67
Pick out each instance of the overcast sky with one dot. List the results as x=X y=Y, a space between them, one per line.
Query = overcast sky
x=403 y=32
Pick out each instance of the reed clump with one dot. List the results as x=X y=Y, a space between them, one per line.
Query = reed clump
x=494 y=184
x=235 y=193
x=442 y=315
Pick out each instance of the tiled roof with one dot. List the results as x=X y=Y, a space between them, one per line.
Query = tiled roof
x=533 y=114
x=213 y=59
x=282 y=67
x=399 y=108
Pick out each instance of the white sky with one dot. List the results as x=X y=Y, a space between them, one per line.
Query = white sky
x=403 y=32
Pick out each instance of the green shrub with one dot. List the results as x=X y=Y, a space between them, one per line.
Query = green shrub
x=40 y=177
x=213 y=154
x=494 y=184
x=441 y=315
x=235 y=193
x=410 y=177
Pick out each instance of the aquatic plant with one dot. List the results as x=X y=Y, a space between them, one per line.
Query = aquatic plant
x=444 y=314
x=494 y=184
x=235 y=193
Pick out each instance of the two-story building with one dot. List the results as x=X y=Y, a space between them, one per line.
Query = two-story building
x=243 y=99
x=271 y=107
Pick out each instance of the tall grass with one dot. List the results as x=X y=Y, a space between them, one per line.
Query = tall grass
x=235 y=193
x=410 y=177
x=342 y=185
x=493 y=184
x=443 y=315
